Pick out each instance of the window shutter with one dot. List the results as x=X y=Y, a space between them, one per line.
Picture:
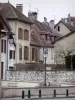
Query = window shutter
x=26 y=35
x=13 y=54
x=26 y=53
x=2 y=65
x=4 y=46
x=1 y=45
x=20 y=33
x=20 y=53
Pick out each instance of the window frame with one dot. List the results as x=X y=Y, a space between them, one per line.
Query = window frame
x=12 y=54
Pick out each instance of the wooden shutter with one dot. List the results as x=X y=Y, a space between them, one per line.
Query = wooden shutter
x=33 y=54
x=1 y=45
x=26 y=53
x=2 y=65
x=20 y=53
x=13 y=54
x=20 y=33
x=26 y=35
x=4 y=46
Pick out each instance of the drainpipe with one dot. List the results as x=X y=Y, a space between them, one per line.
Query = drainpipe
x=6 y=57
x=0 y=68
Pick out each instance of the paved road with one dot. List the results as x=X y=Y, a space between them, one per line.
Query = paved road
x=39 y=99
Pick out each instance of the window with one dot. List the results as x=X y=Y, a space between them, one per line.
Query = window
x=20 y=33
x=2 y=65
x=26 y=35
x=26 y=53
x=58 y=28
x=12 y=54
x=11 y=68
x=3 y=46
x=20 y=53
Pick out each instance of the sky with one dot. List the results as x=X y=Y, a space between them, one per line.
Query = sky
x=51 y=9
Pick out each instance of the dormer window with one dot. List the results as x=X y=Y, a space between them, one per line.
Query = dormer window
x=58 y=28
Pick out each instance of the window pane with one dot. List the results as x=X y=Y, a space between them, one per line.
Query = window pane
x=4 y=46
x=1 y=45
x=20 y=53
x=10 y=54
x=26 y=53
x=2 y=64
x=26 y=35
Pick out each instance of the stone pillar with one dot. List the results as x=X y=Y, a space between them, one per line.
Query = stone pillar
x=0 y=68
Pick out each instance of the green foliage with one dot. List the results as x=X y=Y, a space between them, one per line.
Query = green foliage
x=32 y=63
x=68 y=61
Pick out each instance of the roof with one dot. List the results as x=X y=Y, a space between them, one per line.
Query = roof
x=72 y=32
x=5 y=21
x=45 y=29
x=37 y=39
x=13 y=13
x=70 y=27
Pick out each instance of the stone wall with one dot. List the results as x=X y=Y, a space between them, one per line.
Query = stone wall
x=54 y=77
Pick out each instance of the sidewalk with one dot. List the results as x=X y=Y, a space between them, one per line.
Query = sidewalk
x=42 y=98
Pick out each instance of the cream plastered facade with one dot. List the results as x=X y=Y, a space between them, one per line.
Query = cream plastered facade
x=19 y=42
x=63 y=29
x=65 y=45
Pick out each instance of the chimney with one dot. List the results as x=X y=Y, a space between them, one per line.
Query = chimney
x=51 y=24
x=19 y=7
x=32 y=15
x=69 y=19
x=45 y=20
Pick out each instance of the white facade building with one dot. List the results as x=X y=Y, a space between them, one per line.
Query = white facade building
x=20 y=24
x=50 y=56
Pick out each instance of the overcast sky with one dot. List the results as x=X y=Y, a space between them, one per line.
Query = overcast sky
x=52 y=9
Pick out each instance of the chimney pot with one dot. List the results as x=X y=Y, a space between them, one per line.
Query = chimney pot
x=19 y=7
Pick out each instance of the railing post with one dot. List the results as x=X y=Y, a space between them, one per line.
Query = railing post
x=22 y=94
x=28 y=93
x=67 y=93
x=54 y=93
x=40 y=93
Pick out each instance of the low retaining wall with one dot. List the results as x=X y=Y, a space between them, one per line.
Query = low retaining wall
x=54 y=77
x=48 y=92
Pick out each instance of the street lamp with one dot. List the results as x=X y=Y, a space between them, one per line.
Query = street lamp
x=45 y=53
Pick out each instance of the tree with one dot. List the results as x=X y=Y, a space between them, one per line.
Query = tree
x=62 y=53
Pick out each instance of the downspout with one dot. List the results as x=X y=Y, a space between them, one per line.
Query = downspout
x=7 y=57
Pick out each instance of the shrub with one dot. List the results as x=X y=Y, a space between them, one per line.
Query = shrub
x=32 y=63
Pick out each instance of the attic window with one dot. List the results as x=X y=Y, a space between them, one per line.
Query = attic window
x=58 y=28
